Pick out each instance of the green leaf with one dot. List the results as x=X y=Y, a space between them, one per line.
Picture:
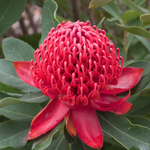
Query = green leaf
x=99 y=3
x=8 y=101
x=139 y=120
x=135 y=30
x=79 y=145
x=32 y=40
x=130 y=15
x=3 y=95
x=68 y=137
x=139 y=2
x=60 y=19
x=59 y=144
x=9 y=90
x=133 y=6
x=17 y=50
x=141 y=64
x=38 y=2
x=9 y=77
x=20 y=111
x=123 y=131
x=114 y=148
x=141 y=84
x=10 y=12
x=45 y=140
x=145 y=18
x=144 y=41
x=141 y=106
x=135 y=148
x=48 y=17
x=137 y=50
x=38 y=97
x=113 y=10
x=13 y=133
x=99 y=26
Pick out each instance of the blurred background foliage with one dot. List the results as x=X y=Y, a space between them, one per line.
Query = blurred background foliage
x=127 y=25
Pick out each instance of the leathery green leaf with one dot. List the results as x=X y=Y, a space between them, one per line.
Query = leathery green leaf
x=130 y=15
x=17 y=50
x=37 y=97
x=123 y=131
x=79 y=145
x=45 y=140
x=139 y=120
x=48 y=17
x=8 y=101
x=135 y=30
x=59 y=143
x=133 y=6
x=9 y=77
x=13 y=133
x=141 y=106
x=20 y=111
x=10 y=12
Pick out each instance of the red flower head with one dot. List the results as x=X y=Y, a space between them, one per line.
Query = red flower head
x=80 y=71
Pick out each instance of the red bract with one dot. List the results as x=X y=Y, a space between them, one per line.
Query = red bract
x=80 y=71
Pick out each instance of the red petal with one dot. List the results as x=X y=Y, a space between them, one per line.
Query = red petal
x=110 y=100
x=128 y=79
x=23 y=71
x=122 y=108
x=87 y=126
x=47 y=118
x=69 y=125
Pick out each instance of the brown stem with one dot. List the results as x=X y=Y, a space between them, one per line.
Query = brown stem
x=75 y=10
x=22 y=25
x=42 y=1
x=33 y=25
x=92 y=15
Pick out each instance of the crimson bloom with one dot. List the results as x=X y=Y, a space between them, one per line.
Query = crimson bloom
x=80 y=71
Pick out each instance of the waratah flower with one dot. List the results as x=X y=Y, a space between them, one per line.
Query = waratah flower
x=80 y=71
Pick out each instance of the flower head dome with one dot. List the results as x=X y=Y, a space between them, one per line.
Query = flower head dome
x=80 y=71
x=77 y=62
